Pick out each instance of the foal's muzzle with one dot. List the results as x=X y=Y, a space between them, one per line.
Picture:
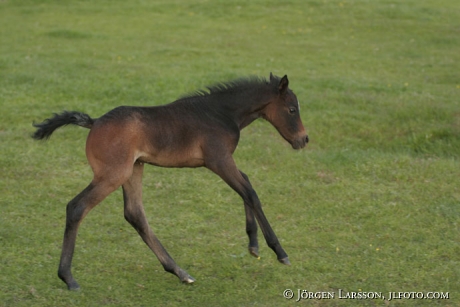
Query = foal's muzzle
x=300 y=142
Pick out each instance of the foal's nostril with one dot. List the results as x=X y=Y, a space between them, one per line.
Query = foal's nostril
x=306 y=139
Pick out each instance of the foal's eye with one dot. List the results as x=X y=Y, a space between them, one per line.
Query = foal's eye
x=292 y=110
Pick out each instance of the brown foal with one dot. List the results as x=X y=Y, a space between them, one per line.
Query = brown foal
x=202 y=129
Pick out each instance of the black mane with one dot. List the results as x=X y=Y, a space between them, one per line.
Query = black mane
x=233 y=86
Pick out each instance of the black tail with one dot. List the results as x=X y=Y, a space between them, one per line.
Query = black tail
x=47 y=127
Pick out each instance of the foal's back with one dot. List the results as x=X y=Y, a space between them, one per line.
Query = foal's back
x=173 y=135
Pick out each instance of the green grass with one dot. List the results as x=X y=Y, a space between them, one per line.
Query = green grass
x=372 y=204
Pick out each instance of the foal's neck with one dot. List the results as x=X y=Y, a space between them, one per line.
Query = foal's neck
x=251 y=108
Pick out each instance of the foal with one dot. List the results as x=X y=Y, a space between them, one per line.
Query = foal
x=202 y=129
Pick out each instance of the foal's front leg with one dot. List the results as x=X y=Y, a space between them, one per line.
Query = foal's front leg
x=225 y=167
x=135 y=215
x=251 y=226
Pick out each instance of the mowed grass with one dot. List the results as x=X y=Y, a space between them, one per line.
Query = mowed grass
x=372 y=204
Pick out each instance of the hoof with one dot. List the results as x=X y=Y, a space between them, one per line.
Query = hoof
x=285 y=261
x=184 y=276
x=254 y=250
x=73 y=286
x=188 y=280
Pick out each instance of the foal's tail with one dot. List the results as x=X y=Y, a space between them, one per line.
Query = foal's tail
x=47 y=127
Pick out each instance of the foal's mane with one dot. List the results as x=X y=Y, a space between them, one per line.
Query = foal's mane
x=233 y=86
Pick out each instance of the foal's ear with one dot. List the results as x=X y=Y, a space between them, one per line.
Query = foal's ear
x=271 y=77
x=284 y=83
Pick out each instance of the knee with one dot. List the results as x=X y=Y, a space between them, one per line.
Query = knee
x=131 y=216
x=252 y=199
x=135 y=217
x=75 y=211
x=245 y=176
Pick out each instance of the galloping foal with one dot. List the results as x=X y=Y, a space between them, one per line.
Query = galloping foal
x=202 y=129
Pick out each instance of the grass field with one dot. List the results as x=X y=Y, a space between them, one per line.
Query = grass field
x=371 y=205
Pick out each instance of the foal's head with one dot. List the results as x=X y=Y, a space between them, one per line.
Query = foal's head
x=283 y=113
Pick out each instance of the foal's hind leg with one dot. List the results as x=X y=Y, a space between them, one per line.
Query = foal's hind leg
x=77 y=209
x=251 y=226
x=135 y=215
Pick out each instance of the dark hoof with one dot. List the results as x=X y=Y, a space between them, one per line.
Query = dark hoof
x=285 y=261
x=254 y=250
x=73 y=286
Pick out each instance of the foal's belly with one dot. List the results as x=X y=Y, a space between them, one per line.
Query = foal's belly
x=165 y=158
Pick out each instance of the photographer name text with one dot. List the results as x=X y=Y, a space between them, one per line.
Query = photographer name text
x=302 y=294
